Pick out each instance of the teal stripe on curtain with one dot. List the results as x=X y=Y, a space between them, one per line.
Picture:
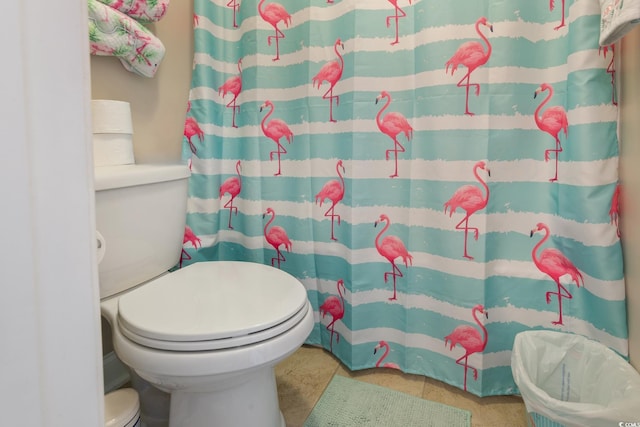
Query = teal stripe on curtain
x=485 y=145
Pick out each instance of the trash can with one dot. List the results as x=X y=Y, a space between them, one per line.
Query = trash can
x=569 y=380
x=122 y=408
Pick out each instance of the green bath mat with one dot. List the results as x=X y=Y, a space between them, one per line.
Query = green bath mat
x=351 y=403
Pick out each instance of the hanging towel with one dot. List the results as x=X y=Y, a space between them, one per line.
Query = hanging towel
x=618 y=17
x=141 y=10
x=112 y=33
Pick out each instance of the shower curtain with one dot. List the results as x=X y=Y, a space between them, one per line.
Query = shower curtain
x=439 y=175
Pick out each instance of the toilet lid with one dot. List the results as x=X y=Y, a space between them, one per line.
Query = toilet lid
x=212 y=305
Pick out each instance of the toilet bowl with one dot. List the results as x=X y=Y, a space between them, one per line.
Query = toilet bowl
x=210 y=333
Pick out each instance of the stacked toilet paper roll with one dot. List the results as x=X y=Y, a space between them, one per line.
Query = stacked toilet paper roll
x=112 y=132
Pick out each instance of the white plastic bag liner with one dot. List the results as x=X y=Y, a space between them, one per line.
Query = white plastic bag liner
x=573 y=380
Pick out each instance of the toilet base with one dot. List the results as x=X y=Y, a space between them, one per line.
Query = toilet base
x=243 y=399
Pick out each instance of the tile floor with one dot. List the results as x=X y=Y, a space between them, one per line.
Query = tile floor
x=304 y=375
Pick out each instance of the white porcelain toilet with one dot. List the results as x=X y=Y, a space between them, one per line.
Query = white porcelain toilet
x=210 y=333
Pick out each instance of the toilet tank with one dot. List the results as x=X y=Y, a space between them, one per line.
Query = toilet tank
x=140 y=219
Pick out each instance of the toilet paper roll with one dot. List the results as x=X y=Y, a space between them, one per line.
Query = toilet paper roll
x=110 y=116
x=110 y=149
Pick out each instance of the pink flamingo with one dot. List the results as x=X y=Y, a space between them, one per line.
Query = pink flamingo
x=192 y=128
x=399 y=14
x=611 y=69
x=553 y=263
x=334 y=191
x=276 y=236
x=614 y=212
x=469 y=338
x=472 y=55
x=551 y=7
x=335 y=307
x=392 y=124
x=190 y=237
x=273 y=13
x=392 y=248
x=235 y=4
x=233 y=186
x=331 y=72
x=552 y=121
x=385 y=345
x=233 y=85
x=275 y=130
x=469 y=198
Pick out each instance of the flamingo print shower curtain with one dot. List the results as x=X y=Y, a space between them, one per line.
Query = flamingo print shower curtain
x=439 y=175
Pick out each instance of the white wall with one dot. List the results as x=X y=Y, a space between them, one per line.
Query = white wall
x=50 y=366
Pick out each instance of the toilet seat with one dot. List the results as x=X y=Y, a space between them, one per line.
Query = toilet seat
x=211 y=306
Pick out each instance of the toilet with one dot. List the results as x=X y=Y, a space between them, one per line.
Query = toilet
x=209 y=334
